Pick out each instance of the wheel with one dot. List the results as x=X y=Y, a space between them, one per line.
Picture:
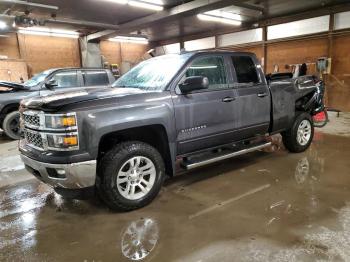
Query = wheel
x=11 y=126
x=130 y=176
x=299 y=137
x=323 y=121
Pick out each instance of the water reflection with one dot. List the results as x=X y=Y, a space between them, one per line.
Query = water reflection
x=302 y=170
x=306 y=179
x=139 y=239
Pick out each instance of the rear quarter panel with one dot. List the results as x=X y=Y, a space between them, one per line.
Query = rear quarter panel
x=283 y=104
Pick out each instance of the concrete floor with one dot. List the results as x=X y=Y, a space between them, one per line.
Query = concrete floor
x=265 y=206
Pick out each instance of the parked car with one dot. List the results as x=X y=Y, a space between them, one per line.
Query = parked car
x=50 y=81
x=197 y=108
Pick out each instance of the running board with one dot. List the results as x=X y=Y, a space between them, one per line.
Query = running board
x=202 y=162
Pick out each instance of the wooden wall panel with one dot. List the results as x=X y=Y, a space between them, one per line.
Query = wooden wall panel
x=9 y=47
x=338 y=83
x=111 y=52
x=13 y=70
x=132 y=53
x=295 y=52
x=44 y=52
x=115 y=52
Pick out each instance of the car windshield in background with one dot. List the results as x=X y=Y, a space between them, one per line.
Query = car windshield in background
x=35 y=80
x=153 y=74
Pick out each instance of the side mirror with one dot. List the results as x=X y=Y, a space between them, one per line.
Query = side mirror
x=193 y=83
x=51 y=84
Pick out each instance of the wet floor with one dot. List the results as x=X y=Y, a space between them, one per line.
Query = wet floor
x=264 y=206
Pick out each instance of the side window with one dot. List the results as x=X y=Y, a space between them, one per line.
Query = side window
x=95 y=78
x=66 y=79
x=211 y=67
x=245 y=69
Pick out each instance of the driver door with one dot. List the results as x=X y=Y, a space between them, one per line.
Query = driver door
x=204 y=118
x=67 y=80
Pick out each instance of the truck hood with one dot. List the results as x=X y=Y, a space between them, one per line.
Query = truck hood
x=7 y=87
x=56 y=101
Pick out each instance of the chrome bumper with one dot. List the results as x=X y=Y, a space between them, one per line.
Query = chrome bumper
x=73 y=176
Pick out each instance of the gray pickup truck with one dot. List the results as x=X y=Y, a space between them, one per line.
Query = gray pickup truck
x=190 y=109
x=50 y=81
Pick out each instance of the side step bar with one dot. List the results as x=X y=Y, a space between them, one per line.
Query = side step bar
x=191 y=165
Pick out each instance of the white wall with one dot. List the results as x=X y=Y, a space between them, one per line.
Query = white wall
x=200 y=44
x=301 y=27
x=243 y=37
x=342 y=20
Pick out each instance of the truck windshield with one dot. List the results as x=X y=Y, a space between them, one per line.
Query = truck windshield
x=153 y=74
x=37 y=79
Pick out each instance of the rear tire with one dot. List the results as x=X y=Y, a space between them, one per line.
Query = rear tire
x=299 y=137
x=11 y=125
x=130 y=176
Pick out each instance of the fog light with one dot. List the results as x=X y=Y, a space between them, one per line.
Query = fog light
x=56 y=173
x=61 y=171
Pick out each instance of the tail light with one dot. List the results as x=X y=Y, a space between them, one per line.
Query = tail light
x=319 y=117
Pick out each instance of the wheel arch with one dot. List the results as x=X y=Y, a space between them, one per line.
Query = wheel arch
x=154 y=135
x=7 y=109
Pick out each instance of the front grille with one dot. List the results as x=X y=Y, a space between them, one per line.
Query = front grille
x=31 y=120
x=33 y=139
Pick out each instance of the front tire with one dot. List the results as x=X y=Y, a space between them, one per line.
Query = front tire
x=299 y=137
x=130 y=176
x=11 y=125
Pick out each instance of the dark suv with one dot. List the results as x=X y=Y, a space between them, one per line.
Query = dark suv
x=45 y=83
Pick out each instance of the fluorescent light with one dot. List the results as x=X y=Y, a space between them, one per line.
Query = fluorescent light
x=156 y=2
x=218 y=19
x=130 y=39
x=223 y=14
x=44 y=31
x=123 y=2
x=3 y=25
x=146 y=5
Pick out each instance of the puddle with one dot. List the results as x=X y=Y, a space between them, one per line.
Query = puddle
x=11 y=163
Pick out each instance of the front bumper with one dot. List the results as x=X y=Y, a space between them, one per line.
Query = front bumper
x=70 y=176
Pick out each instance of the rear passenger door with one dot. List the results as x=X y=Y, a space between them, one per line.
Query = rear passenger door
x=252 y=105
x=204 y=118
x=95 y=78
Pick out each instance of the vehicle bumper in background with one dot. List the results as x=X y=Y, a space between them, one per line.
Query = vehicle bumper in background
x=68 y=176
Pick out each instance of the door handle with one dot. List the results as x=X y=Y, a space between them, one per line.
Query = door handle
x=228 y=99
x=262 y=94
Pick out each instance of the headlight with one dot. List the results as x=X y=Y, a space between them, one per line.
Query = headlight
x=64 y=121
x=63 y=141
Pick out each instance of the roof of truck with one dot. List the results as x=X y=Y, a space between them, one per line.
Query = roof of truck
x=78 y=68
x=215 y=52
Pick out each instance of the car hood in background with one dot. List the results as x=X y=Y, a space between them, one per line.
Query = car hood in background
x=6 y=87
x=56 y=101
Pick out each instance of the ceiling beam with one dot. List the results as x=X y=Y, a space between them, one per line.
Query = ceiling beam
x=82 y=23
x=26 y=3
x=251 y=7
x=187 y=9
x=99 y=35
